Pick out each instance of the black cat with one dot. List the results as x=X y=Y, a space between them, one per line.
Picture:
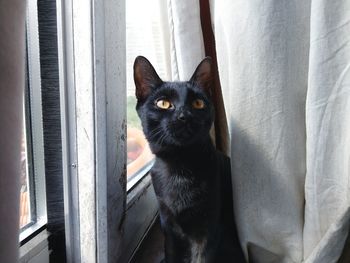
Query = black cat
x=191 y=179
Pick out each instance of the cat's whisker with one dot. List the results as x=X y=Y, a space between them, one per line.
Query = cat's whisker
x=159 y=139
x=162 y=139
x=156 y=133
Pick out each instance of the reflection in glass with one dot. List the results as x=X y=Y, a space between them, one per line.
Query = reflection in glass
x=146 y=36
x=25 y=216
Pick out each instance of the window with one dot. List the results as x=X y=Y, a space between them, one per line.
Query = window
x=145 y=36
x=41 y=207
x=33 y=188
x=25 y=214
x=106 y=217
x=107 y=205
x=109 y=200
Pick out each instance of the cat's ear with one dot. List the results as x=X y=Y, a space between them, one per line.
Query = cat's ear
x=203 y=75
x=145 y=77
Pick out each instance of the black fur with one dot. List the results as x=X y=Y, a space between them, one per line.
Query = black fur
x=191 y=179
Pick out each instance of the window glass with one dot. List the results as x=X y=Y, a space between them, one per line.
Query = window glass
x=25 y=215
x=146 y=36
x=33 y=189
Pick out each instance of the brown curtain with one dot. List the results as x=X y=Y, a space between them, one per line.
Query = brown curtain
x=220 y=124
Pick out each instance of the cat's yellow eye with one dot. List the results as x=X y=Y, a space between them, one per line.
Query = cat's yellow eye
x=198 y=104
x=164 y=104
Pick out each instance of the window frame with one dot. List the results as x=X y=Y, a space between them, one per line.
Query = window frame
x=104 y=222
x=43 y=146
x=34 y=129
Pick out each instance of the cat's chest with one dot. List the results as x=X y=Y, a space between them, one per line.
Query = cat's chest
x=182 y=191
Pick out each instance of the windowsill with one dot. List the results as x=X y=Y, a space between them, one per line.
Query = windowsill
x=140 y=213
x=134 y=181
x=36 y=249
x=138 y=190
x=29 y=230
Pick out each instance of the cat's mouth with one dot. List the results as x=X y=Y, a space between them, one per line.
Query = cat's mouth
x=182 y=134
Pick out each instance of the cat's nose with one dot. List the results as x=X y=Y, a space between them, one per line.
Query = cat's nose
x=181 y=117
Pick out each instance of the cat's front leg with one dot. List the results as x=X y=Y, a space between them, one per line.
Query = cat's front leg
x=176 y=243
x=176 y=248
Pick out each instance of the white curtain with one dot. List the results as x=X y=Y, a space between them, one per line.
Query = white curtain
x=186 y=38
x=284 y=71
x=160 y=31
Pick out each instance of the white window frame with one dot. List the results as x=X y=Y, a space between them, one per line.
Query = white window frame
x=38 y=200
x=103 y=222
x=33 y=237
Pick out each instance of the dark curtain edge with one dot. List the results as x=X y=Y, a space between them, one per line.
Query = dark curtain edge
x=220 y=123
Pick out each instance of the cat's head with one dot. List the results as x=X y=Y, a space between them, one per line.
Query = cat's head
x=174 y=113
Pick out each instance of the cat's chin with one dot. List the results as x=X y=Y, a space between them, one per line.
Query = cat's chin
x=181 y=139
x=174 y=144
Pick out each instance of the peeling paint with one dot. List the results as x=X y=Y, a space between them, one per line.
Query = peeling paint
x=122 y=178
x=123 y=125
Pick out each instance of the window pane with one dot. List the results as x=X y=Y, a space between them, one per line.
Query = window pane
x=25 y=215
x=33 y=188
x=146 y=36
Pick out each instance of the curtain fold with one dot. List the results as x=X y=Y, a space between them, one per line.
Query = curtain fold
x=186 y=39
x=327 y=187
x=284 y=70
x=262 y=49
x=220 y=122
